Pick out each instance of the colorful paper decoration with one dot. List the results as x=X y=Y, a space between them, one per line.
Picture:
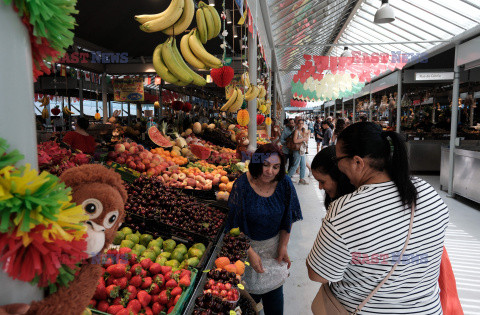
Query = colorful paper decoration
x=222 y=76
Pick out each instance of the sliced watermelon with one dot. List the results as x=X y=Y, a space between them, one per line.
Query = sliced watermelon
x=156 y=136
x=200 y=151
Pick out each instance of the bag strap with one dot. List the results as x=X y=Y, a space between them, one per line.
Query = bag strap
x=393 y=268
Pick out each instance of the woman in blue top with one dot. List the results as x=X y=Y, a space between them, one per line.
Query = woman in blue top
x=264 y=204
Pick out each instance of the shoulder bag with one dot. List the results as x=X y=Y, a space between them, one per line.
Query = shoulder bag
x=292 y=145
x=325 y=302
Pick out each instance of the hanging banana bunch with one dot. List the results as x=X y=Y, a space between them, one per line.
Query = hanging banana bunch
x=234 y=102
x=45 y=113
x=252 y=92
x=45 y=101
x=67 y=111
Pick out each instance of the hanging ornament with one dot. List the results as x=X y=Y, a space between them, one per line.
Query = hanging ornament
x=260 y=119
x=156 y=104
x=177 y=105
x=222 y=76
x=268 y=121
x=187 y=107
x=243 y=118
x=55 y=111
x=97 y=116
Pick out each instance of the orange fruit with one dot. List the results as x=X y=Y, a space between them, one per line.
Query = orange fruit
x=221 y=262
x=229 y=186
x=223 y=173
x=230 y=268
x=240 y=267
x=223 y=187
x=224 y=179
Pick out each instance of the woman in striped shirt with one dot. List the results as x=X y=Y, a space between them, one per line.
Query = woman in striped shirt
x=363 y=232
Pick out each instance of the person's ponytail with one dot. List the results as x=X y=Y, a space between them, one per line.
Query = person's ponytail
x=398 y=168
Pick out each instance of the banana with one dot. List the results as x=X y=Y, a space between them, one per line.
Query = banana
x=144 y=18
x=229 y=91
x=188 y=54
x=230 y=101
x=45 y=101
x=209 y=21
x=160 y=67
x=67 y=111
x=184 y=21
x=197 y=79
x=251 y=93
x=238 y=102
x=201 y=25
x=213 y=66
x=45 y=113
x=245 y=79
x=172 y=14
x=216 y=20
x=199 y=51
x=172 y=64
x=263 y=92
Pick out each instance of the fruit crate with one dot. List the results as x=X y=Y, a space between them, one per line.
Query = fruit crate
x=166 y=232
x=200 y=194
x=127 y=175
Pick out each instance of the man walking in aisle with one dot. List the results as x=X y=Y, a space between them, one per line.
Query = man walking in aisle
x=318 y=132
x=287 y=131
x=327 y=134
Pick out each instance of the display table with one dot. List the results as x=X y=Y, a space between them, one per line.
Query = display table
x=424 y=155
x=466 y=171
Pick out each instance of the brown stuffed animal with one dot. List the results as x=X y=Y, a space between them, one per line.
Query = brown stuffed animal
x=101 y=193
x=242 y=144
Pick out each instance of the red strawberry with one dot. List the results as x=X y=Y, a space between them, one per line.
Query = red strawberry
x=157 y=308
x=176 y=291
x=148 y=311
x=170 y=303
x=100 y=291
x=170 y=309
x=124 y=311
x=176 y=275
x=124 y=250
x=108 y=262
x=134 y=306
x=147 y=282
x=185 y=272
x=117 y=301
x=103 y=271
x=176 y=299
x=132 y=292
x=154 y=289
x=136 y=269
x=146 y=263
x=110 y=281
x=124 y=254
x=133 y=259
x=128 y=275
x=117 y=270
x=144 y=298
x=121 y=282
x=166 y=269
x=143 y=273
x=168 y=276
x=155 y=268
x=112 y=252
x=136 y=281
x=112 y=291
x=159 y=279
x=163 y=297
x=102 y=306
x=171 y=284
x=184 y=282
x=92 y=303
x=114 y=309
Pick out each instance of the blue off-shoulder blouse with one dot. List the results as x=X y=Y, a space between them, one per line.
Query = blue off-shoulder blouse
x=261 y=218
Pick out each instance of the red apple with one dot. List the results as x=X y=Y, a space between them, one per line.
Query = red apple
x=133 y=150
x=151 y=172
x=126 y=145
x=132 y=165
x=120 y=160
x=140 y=167
x=143 y=155
x=133 y=144
x=119 y=148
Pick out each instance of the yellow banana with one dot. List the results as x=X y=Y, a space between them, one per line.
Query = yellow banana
x=201 y=25
x=229 y=91
x=245 y=79
x=216 y=20
x=251 y=93
x=172 y=63
x=213 y=66
x=263 y=92
x=199 y=51
x=45 y=101
x=188 y=54
x=184 y=21
x=144 y=18
x=238 y=102
x=160 y=67
x=230 y=101
x=197 y=79
x=172 y=14
x=45 y=113
x=209 y=22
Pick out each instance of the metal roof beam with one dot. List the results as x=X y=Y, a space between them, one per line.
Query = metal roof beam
x=367 y=44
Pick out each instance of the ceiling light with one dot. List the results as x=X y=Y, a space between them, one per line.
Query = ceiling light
x=385 y=14
x=211 y=2
x=346 y=52
x=235 y=32
x=229 y=19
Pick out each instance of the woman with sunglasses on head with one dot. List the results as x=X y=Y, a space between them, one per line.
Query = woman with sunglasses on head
x=263 y=203
x=364 y=233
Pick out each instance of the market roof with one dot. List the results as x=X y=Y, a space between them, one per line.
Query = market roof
x=310 y=26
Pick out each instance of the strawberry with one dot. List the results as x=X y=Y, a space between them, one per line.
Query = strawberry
x=185 y=272
x=170 y=309
x=117 y=301
x=136 y=269
x=176 y=299
x=102 y=306
x=163 y=297
x=176 y=291
x=112 y=252
x=128 y=275
x=148 y=311
x=171 y=284
x=103 y=271
x=184 y=282
x=154 y=289
x=136 y=281
x=159 y=279
x=170 y=303
x=133 y=259
x=155 y=268
x=131 y=291
x=114 y=309
x=92 y=303
x=108 y=262
x=147 y=282
x=100 y=291
x=124 y=311
x=124 y=254
x=143 y=273
x=110 y=281
x=112 y=291
x=144 y=298
x=166 y=269
x=134 y=306
x=168 y=276
x=146 y=263
x=157 y=308
x=121 y=282
x=117 y=270
x=176 y=275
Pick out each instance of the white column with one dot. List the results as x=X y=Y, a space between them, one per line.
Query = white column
x=269 y=98
x=17 y=120
x=80 y=94
x=399 y=99
x=252 y=105
x=453 y=128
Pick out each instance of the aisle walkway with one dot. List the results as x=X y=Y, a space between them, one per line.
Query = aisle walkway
x=462 y=242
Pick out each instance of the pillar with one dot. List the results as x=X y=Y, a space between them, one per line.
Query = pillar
x=370 y=105
x=343 y=109
x=104 y=98
x=252 y=105
x=353 y=110
x=269 y=98
x=80 y=94
x=128 y=111
x=399 y=99
x=453 y=128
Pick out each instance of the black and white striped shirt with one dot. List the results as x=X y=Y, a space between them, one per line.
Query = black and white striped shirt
x=362 y=236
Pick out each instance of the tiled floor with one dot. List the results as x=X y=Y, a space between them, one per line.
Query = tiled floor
x=462 y=243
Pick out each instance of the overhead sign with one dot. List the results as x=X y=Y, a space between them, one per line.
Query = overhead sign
x=128 y=90
x=433 y=76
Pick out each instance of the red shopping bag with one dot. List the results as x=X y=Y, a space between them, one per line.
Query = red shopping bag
x=448 y=288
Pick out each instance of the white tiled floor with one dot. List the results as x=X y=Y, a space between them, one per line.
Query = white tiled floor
x=462 y=243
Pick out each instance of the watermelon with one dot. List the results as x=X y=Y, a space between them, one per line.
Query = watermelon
x=156 y=136
x=200 y=151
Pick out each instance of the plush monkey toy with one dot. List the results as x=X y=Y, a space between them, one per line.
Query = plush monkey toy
x=242 y=144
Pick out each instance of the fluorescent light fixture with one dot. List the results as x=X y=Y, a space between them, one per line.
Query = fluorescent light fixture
x=211 y=2
x=229 y=16
x=235 y=32
x=346 y=52
x=385 y=13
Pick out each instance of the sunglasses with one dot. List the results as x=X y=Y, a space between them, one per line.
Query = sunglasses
x=338 y=159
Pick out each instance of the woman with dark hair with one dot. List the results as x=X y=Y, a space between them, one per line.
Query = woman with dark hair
x=339 y=126
x=263 y=203
x=325 y=171
x=363 y=233
x=80 y=139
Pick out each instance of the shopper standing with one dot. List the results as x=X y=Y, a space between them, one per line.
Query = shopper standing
x=300 y=136
x=80 y=139
x=327 y=134
x=287 y=131
x=318 y=132
x=264 y=204
x=364 y=232
x=339 y=126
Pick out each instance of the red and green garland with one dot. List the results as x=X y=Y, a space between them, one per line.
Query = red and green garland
x=50 y=25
